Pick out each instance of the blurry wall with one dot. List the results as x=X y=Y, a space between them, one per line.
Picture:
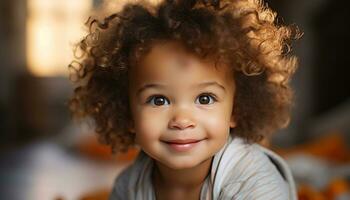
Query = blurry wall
x=322 y=89
x=34 y=105
x=12 y=61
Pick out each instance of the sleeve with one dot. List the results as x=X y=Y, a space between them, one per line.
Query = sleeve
x=120 y=187
x=258 y=178
x=262 y=187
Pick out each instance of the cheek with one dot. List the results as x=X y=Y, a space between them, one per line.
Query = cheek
x=216 y=122
x=148 y=125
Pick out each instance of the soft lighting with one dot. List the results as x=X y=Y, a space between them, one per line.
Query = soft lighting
x=53 y=26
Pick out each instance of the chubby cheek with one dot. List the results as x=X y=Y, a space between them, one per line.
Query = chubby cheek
x=148 y=126
x=216 y=124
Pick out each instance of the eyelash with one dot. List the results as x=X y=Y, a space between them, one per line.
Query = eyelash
x=210 y=95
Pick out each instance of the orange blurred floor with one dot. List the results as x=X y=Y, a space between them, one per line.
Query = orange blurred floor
x=46 y=170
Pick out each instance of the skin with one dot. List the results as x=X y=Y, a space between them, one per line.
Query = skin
x=194 y=100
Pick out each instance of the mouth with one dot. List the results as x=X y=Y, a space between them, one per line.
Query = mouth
x=182 y=145
x=186 y=141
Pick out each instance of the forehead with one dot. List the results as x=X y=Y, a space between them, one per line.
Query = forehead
x=171 y=61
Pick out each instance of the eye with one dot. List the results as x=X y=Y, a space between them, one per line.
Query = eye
x=158 y=100
x=206 y=99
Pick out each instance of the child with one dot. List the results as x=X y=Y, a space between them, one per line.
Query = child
x=195 y=85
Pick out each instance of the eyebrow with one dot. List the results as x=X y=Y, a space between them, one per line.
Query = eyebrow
x=201 y=85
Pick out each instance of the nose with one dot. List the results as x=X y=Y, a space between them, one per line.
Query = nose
x=181 y=120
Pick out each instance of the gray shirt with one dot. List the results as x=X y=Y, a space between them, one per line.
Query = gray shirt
x=238 y=171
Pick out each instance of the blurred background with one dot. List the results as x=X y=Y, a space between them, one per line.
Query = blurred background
x=45 y=155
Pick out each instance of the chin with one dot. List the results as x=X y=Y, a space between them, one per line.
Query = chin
x=181 y=165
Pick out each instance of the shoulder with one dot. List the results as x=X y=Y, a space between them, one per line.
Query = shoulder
x=283 y=169
x=120 y=186
x=126 y=182
x=253 y=172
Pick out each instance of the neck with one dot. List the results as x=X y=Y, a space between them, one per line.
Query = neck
x=184 y=178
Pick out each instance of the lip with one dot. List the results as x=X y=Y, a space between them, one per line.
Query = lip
x=186 y=141
x=182 y=145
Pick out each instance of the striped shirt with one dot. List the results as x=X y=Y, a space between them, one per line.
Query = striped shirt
x=239 y=171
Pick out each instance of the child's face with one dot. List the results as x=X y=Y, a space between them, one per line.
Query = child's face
x=176 y=96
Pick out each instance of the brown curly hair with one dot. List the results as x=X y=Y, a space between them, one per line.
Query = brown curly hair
x=243 y=33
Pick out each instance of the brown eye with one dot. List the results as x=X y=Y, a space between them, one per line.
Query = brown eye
x=206 y=99
x=158 y=100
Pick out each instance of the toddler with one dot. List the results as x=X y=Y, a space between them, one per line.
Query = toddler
x=195 y=85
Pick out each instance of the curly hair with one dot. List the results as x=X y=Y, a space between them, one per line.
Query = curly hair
x=243 y=33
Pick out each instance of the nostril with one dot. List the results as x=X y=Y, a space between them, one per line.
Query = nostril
x=181 y=124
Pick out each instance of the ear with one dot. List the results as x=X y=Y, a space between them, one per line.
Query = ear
x=232 y=122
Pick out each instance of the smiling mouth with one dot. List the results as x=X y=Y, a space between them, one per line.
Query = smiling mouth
x=187 y=141
x=182 y=145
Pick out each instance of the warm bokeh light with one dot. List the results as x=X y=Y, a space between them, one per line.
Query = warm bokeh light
x=52 y=29
x=111 y=6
